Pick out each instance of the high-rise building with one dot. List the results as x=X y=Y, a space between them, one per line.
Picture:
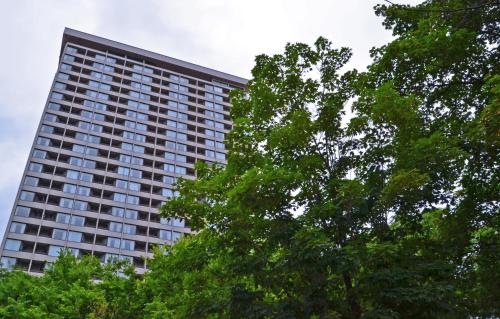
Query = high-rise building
x=120 y=125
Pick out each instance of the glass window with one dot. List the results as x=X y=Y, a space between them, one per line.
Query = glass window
x=180 y=170
x=134 y=186
x=96 y=128
x=117 y=211
x=129 y=124
x=123 y=171
x=69 y=188
x=50 y=117
x=66 y=203
x=131 y=214
x=54 y=250
x=167 y=192
x=128 y=135
x=77 y=162
x=220 y=145
x=59 y=234
x=79 y=205
x=72 y=174
x=99 y=117
x=169 y=156
x=86 y=177
x=176 y=236
x=74 y=236
x=100 y=106
x=125 y=158
x=143 y=106
x=137 y=161
x=81 y=136
x=111 y=258
x=31 y=181
x=23 y=211
x=127 y=244
x=84 y=125
x=89 y=164
x=129 y=229
x=131 y=114
x=177 y=222
x=27 y=196
x=8 y=263
x=115 y=227
x=78 y=148
x=91 y=151
x=120 y=183
x=77 y=220
x=113 y=242
x=209 y=113
x=127 y=147
x=56 y=96
x=138 y=149
x=47 y=129
x=43 y=141
x=83 y=191
x=62 y=218
x=65 y=67
x=17 y=228
x=209 y=153
x=170 y=134
x=168 y=180
x=134 y=200
x=12 y=244
x=210 y=143
x=39 y=154
x=220 y=156
x=181 y=147
x=94 y=139
x=140 y=138
x=169 y=168
x=165 y=234
x=35 y=167
x=69 y=58
x=118 y=197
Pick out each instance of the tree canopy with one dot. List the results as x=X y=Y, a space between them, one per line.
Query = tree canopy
x=346 y=194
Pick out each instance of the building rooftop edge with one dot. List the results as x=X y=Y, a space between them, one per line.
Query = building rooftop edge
x=68 y=32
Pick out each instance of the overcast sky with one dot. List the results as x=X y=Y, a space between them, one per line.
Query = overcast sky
x=220 y=34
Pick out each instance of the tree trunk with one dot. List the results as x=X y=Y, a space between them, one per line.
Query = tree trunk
x=352 y=299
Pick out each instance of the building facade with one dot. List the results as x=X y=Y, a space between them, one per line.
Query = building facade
x=120 y=125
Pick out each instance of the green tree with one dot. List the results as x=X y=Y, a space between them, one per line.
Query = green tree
x=71 y=288
x=393 y=214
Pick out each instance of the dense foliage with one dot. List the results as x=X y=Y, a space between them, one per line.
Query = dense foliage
x=346 y=194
